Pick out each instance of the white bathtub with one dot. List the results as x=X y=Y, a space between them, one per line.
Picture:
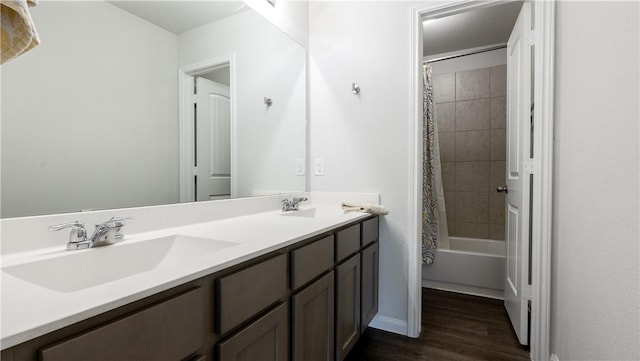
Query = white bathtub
x=471 y=266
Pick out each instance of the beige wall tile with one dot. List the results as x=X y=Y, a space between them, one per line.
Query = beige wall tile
x=496 y=231
x=499 y=112
x=472 y=207
x=446 y=117
x=444 y=88
x=496 y=208
x=472 y=230
x=473 y=84
x=473 y=114
x=498 y=80
x=449 y=176
x=447 y=142
x=450 y=206
x=472 y=176
x=497 y=175
x=473 y=145
x=498 y=144
x=451 y=228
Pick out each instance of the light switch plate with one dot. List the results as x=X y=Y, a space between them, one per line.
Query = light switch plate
x=319 y=169
x=299 y=166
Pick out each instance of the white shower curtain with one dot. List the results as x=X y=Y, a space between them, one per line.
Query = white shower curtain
x=434 y=218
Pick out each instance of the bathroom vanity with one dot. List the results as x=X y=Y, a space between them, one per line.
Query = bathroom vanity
x=303 y=296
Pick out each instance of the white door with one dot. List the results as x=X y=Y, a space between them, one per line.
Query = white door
x=516 y=288
x=213 y=141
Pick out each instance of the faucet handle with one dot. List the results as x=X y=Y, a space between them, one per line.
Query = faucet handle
x=115 y=222
x=114 y=228
x=78 y=233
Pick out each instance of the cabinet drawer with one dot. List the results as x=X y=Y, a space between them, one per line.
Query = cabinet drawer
x=310 y=261
x=347 y=242
x=266 y=339
x=171 y=330
x=249 y=291
x=370 y=231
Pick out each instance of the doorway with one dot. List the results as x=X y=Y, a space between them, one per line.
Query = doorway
x=207 y=130
x=538 y=165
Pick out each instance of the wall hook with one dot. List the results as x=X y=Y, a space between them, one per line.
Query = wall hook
x=268 y=101
x=355 y=88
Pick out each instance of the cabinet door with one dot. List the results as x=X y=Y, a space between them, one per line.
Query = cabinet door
x=347 y=306
x=266 y=339
x=313 y=321
x=369 y=285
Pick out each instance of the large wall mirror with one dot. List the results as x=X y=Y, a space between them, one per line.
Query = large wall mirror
x=137 y=103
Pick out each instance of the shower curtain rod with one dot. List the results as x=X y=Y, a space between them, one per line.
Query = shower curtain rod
x=477 y=51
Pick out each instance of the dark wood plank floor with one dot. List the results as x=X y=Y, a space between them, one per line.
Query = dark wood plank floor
x=454 y=327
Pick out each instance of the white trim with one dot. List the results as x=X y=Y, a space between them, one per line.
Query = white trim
x=414 y=251
x=185 y=114
x=389 y=324
x=544 y=38
x=542 y=205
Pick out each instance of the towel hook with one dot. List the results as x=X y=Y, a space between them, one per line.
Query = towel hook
x=268 y=101
x=355 y=88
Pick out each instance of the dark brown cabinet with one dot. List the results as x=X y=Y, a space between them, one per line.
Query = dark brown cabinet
x=347 y=306
x=313 y=321
x=266 y=339
x=151 y=334
x=245 y=293
x=306 y=302
x=369 y=286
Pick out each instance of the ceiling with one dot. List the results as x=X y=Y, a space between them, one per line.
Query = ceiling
x=471 y=29
x=179 y=16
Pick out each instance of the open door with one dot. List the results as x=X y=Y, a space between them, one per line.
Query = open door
x=517 y=288
x=213 y=141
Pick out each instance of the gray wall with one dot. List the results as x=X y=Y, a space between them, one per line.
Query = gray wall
x=596 y=273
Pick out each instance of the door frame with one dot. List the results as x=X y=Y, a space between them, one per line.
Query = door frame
x=544 y=38
x=186 y=126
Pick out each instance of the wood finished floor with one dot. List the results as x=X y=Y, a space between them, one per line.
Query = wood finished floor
x=454 y=327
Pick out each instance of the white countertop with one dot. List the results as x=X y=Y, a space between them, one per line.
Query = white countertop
x=29 y=310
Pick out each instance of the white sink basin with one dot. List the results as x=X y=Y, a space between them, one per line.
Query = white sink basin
x=306 y=213
x=76 y=270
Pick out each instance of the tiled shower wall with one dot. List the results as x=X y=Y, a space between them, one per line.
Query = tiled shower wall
x=471 y=115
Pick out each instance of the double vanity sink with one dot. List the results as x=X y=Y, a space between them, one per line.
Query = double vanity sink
x=50 y=290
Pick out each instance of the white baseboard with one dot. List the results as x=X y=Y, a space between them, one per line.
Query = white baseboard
x=389 y=324
x=467 y=290
x=554 y=357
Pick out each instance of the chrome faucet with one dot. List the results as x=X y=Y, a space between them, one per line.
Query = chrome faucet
x=106 y=233
x=292 y=205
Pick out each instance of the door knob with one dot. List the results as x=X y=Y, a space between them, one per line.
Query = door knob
x=502 y=189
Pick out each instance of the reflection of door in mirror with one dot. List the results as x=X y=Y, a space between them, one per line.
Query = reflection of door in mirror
x=212 y=179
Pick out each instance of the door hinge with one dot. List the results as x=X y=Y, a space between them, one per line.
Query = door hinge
x=530 y=37
x=529 y=166
x=527 y=292
x=195 y=170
